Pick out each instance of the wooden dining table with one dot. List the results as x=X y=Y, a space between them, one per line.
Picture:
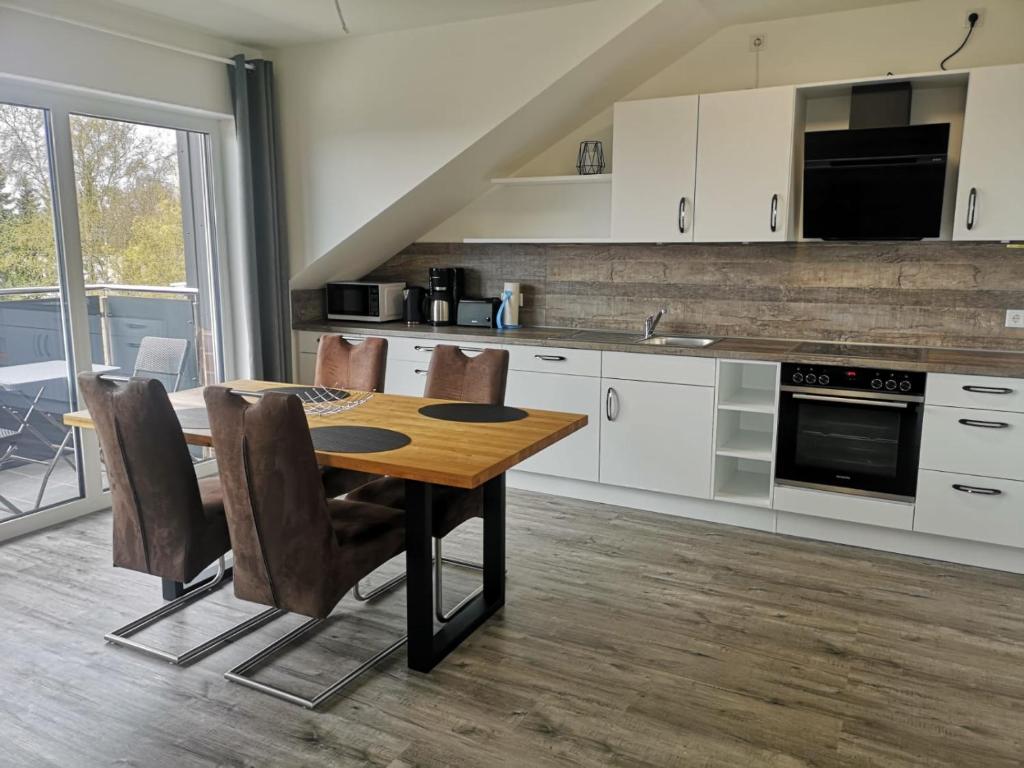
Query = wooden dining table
x=439 y=453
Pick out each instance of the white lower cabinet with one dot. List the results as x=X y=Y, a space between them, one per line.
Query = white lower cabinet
x=576 y=456
x=307 y=368
x=973 y=442
x=657 y=437
x=970 y=507
x=405 y=377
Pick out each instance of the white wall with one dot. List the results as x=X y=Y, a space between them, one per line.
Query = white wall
x=43 y=49
x=365 y=120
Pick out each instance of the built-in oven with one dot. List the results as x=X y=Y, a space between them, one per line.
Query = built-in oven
x=852 y=430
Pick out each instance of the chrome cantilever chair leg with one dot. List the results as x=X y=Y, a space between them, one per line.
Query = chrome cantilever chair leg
x=439 y=562
x=238 y=674
x=123 y=635
x=393 y=583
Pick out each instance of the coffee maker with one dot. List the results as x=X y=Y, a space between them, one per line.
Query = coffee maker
x=446 y=287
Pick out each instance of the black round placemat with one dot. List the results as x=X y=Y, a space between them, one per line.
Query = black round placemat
x=193 y=418
x=357 y=439
x=479 y=413
x=323 y=394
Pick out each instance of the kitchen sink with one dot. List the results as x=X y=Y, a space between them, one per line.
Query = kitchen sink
x=677 y=341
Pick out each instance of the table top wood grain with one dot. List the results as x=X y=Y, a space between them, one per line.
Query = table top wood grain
x=460 y=454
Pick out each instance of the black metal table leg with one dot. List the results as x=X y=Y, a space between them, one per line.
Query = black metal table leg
x=172 y=590
x=427 y=648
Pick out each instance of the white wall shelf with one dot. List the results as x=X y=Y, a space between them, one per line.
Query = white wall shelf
x=593 y=178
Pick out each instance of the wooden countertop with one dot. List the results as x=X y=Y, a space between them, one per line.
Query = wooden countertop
x=885 y=356
x=459 y=454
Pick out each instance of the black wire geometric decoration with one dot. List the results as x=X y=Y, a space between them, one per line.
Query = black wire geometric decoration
x=590 y=158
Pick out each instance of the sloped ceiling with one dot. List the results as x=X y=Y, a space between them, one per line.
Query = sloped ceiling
x=641 y=49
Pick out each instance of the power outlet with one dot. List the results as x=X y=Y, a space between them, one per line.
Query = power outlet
x=757 y=42
x=1015 y=318
x=979 y=22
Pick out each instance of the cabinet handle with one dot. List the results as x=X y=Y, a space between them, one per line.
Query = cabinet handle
x=985 y=424
x=988 y=390
x=551 y=358
x=609 y=396
x=775 y=213
x=423 y=349
x=682 y=214
x=471 y=349
x=420 y=371
x=977 y=490
x=972 y=204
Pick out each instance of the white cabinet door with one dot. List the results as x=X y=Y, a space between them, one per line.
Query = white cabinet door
x=655 y=162
x=307 y=368
x=577 y=455
x=405 y=377
x=991 y=180
x=657 y=436
x=744 y=165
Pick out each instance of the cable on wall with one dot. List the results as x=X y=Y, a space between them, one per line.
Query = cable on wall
x=341 y=16
x=972 y=19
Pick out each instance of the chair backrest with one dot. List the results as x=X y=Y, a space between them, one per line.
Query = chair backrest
x=157 y=507
x=162 y=358
x=453 y=375
x=344 y=365
x=285 y=550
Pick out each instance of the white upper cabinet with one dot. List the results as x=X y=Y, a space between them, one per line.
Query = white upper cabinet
x=744 y=165
x=990 y=191
x=655 y=162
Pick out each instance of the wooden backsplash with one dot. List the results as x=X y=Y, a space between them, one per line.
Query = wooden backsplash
x=929 y=294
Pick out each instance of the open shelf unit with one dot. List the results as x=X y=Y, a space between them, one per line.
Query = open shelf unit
x=745 y=424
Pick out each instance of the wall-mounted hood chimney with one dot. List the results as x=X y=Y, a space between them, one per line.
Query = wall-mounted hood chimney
x=881 y=105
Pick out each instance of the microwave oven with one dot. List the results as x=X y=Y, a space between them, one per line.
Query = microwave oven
x=368 y=302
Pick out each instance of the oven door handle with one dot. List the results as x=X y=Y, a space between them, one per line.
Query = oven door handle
x=850 y=401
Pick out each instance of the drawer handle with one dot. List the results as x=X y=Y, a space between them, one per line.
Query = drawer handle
x=977 y=490
x=423 y=349
x=610 y=396
x=551 y=358
x=471 y=349
x=984 y=424
x=420 y=371
x=988 y=390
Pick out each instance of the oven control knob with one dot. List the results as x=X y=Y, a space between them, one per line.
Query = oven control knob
x=798 y=378
x=890 y=384
x=810 y=378
x=823 y=379
x=876 y=383
x=904 y=386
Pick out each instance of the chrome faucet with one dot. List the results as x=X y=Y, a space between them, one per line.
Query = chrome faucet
x=651 y=322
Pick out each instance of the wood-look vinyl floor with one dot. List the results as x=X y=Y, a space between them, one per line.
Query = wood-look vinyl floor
x=629 y=639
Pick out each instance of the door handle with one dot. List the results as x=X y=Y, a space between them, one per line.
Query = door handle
x=611 y=395
x=984 y=424
x=975 y=489
x=775 y=213
x=682 y=214
x=972 y=204
x=988 y=390
x=420 y=371
x=551 y=358
x=850 y=401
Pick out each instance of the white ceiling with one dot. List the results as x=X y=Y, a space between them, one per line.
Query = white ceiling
x=276 y=23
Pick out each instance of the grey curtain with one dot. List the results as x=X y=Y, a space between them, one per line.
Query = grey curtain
x=252 y=92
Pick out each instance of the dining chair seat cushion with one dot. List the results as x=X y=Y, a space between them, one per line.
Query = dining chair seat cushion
x=359 y=524
x=338 y=482
x=452 y=506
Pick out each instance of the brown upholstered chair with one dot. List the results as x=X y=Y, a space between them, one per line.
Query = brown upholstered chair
x=294 y=548
x=360 y=367
x=166 y=522
x=452 y=375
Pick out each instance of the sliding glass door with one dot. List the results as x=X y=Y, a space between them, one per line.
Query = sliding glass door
x=107 y=263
